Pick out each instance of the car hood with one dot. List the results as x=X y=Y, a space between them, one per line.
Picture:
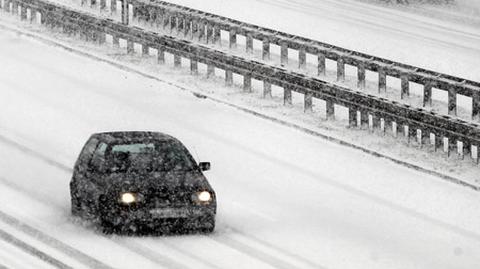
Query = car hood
x=156 y=180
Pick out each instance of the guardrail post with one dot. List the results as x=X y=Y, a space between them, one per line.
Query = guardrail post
x=382 y=80
x=177 y=61
x=247 y=83
x=180 y=24
x=425 y=137
x=321 y=64
x=210 y=70
x=232 y=38
x=287 y=96
x=113 y=6
x=302 y=58
x=173 y=23
x=228 y=77
x=249 y=43
x=130 y=46
x=125 y=13
x=101 y=38
x=308 y=102
x=452 y=101
x=382 y=126
x=464 y=149
x=284 y=53
x=352 y=117
x=33 y=15
x=476 y=106
x=201 y=31
x=474 y=152
x=14 y=7
x=405 y=85
x=194 y=30
x=6 y=6
x=193 y=66
x=266 y=49
x=340 y=69
x=210 y=33
x=364 y=118
x=43 y=19
x=161 y=55
x=361 y=76
x=187 y=26
x=438 y=142
x=330 y=108
x=267 y=89
x=166 y=20
x=115 y=41
x=23 y=13
x=151 y=16
x=217 y=37
x=427 y=94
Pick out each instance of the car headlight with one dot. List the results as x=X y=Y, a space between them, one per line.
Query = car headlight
x=128 y=197
x=204 y=196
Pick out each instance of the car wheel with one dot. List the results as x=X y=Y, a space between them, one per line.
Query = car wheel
x=76 y=206
x=207 y=224
x=107 y=227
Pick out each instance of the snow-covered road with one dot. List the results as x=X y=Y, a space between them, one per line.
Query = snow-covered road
x=286 y=199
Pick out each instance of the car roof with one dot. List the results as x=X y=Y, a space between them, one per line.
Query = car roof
x=133 y=136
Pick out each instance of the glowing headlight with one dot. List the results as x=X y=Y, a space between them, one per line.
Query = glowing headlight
x=128 y=198
x=204 y=196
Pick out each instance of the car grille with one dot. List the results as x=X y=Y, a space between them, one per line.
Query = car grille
x=163 y=197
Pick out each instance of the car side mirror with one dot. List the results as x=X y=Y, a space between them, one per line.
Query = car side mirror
x=204 y=166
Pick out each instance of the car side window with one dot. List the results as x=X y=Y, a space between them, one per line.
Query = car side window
x=97 y=163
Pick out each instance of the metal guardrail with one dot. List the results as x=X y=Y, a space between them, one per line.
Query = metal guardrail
x=364 y=109
x=208 y=26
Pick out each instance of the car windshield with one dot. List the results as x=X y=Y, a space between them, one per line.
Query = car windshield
x=147 y=157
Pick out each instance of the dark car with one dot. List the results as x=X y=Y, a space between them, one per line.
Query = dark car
x=136 y=181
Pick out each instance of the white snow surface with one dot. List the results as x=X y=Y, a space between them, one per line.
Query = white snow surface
x=441 y=38
x=286 y=199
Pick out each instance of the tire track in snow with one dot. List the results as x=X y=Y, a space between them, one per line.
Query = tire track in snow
x=32 y=251
x=273 y=247
x=302 y=9
x=53 y=242
x=253 y=252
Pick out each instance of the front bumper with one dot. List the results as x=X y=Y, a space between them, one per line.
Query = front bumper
x=158 y=216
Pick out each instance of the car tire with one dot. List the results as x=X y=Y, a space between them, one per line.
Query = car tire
x=76 y=207
x=207 y=224
x=107 y=227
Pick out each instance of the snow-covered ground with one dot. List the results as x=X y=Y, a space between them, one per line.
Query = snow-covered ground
x=286 y=199
x=430 y=39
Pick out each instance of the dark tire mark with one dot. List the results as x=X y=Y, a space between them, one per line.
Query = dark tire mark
x=32 y=250
x=54 y=243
